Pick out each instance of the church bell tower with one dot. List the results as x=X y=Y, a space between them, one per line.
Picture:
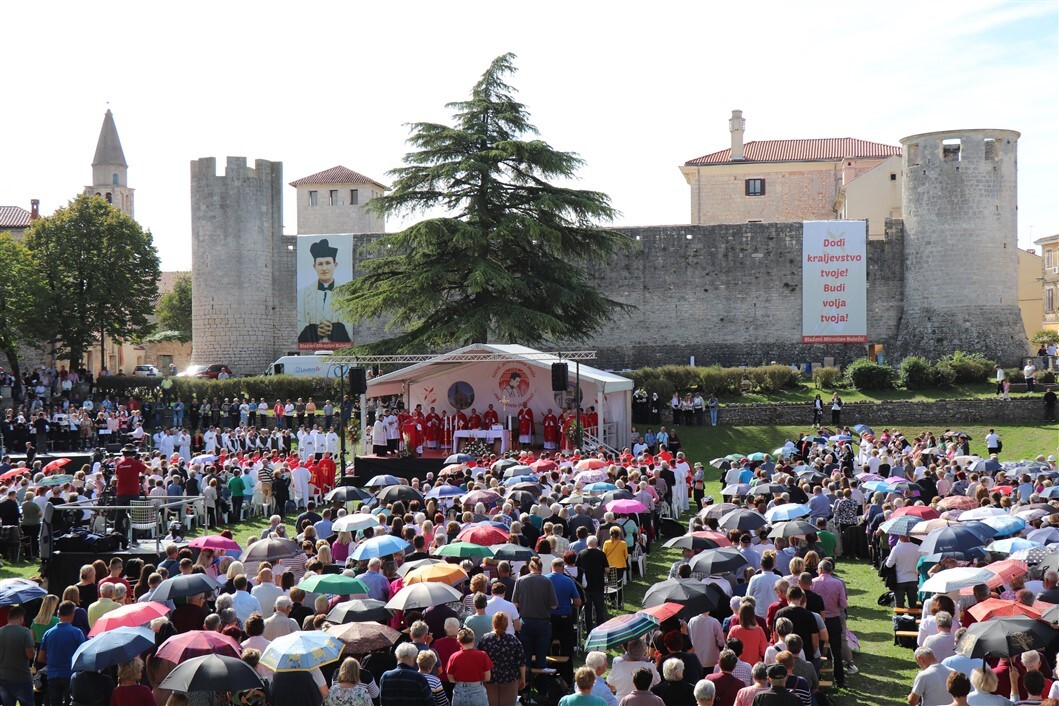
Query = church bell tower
x=110 y=172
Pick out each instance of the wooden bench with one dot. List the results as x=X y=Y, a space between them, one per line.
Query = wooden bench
x=906 y=633
x=908 y=611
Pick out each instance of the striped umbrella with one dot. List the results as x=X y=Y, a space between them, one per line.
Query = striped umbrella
x=958 y=502
x=619 y=630
x=900 y=526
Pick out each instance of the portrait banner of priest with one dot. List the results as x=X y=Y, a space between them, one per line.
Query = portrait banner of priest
x=324 y=264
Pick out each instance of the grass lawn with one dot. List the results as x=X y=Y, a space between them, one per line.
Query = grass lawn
x=807 y=393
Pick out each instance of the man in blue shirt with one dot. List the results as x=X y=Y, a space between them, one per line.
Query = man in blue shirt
x=57 y=649
x=378 y=586
x=404 y=685
x=564 y=614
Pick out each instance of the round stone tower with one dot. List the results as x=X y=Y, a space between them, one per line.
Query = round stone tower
x=236 y=235
x=961 y=275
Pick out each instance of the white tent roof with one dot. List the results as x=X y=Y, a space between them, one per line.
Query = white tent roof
x=393 y=383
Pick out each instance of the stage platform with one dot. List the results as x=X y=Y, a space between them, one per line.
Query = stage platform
x=63 y=568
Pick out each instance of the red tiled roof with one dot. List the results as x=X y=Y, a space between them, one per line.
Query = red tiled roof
x=13 y=217
x=337 y=175
x=832 y=148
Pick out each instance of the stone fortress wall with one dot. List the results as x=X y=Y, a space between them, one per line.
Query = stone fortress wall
x=943 y=279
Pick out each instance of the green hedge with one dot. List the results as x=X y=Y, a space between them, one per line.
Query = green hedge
x=970 y=367
x=723 y=382
x=827 y=378
x=271 y=387
x=916 y=373
x=864 y=374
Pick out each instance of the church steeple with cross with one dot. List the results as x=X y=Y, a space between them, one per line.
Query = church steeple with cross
x=110 y=171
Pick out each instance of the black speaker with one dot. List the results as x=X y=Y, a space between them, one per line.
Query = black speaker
x=358 y=381
x=560 y=377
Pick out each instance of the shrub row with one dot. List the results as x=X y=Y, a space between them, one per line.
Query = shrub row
x=271 y=387
x=723 y=382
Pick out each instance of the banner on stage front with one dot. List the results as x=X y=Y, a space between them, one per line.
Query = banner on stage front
x=325 y=262
x=834 y=282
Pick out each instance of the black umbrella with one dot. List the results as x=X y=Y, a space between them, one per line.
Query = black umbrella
x=693 y=595
x=581 y=499
x=395 y=493
x=359 y=611
x=271 y=549
x=512 y=552
x=183 y=585
x=527 y=487
x=347 y=494
x=620 y=494
x=718 y=511
x=212 y=673
x=745 y=520
x=793 y=528
x=1004 y=637
x=688 y=542
x=768 y=489
x=670 y=528
x=713 y=562
x=522 y=498
x=503 y=464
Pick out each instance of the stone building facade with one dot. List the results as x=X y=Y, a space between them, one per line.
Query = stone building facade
x=1050 y=281
x=335 y=201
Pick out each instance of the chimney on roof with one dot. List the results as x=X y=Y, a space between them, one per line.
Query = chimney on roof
x=34 y=209
x=735 y=126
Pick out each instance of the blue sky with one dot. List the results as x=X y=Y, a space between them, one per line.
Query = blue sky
x=635 y=89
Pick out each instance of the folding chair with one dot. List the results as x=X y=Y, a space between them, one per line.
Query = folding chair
x=145 y=517
x=613 y=589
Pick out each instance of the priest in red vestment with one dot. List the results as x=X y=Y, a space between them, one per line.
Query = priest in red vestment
x=475 y=420
x=592 y=422
x=432 y=428
x=409 y=434
x=551 y=430
x=324 y=475
x=446 y=426
x=565 y=431
x=525 y=425
x=490 y=417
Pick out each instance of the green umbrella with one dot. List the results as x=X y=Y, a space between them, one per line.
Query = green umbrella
x=734 y=457
x=337 y=584
x=758 y=456
x=464 y=550
x=56 y=480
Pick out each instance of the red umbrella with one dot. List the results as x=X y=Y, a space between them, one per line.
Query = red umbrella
x=197 y=643
x=590 y=464
x=1007 y=570
x=921 y=511
x=215 y=541
x=544 y=465
x=719 y=537
x=994 y=607
x=958 y=502
x=13 y=474
x=56 y=465
x=663 y=612
x=483 y=535
x=129 y=616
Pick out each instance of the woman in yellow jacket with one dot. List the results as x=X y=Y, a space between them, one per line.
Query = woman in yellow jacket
x=617 y=551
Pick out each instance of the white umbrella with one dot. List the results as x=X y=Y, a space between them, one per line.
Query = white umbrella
x=355 y=522
x=980 y=513
x=1044 y=535
x=955 y=579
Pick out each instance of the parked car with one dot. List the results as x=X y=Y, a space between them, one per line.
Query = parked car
x=211 y=372
x=145 y=371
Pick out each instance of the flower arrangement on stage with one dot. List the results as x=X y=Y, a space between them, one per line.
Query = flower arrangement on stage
x=477 y=448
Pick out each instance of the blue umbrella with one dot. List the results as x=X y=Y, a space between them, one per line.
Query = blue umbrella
x=112 y=647
x=984 y=465
x=515 y=480
x=863 y=429
x=984 y=531
x=841 y=437
x=600 y=487
x=900 y=526
x=445 y=491
x=619 y=630
x=758 y=456
x=459 y=458
x=1051 y=492
x=381 y=481
x=379 y=546
x=1005 y=525
x=1012 y=545
x=878 y=485
x=787 y=511
x=19 y=591
x=957 y=538
x=301 y=651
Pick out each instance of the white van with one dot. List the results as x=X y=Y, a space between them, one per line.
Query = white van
x=306 y=366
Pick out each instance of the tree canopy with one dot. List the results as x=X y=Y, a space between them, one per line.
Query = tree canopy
x=100 y=275
x=509 y=262
x=174 y=308
x=19 y=297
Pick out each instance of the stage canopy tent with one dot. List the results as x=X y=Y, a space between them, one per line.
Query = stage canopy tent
x=508 y=377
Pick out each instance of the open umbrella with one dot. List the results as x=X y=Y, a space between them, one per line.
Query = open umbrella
x=980 y=513
x=55 y=465
x=544 y=465
x=399 y=493
x=620 y=494
x=926 y=527
x=443 y=573
x=112 y=647
x=1011 y=545
x=716 y=512
x=719 y=537
x=55 y=480
x=183 y=585
x=955 y=579
x=769 y=489
x=461 y=469
x=736 y=490
x=215 y=541
x=619 y=630
x=1005 y=525
x=786 y=511
x=626 y=507
x=746 y=520
x=408 y=566
x=958 y=502
x=197 y=643
x=695 y=596
x=863 y=429
x=517 y=480
x=900 y=526
x=923 y=512
x=213 y=672
x=14 y=473
x=483 y=535
x=984 y=465
x=17 y=591
x=444 y=491
x=689 y=542
x=301 y=651
x=503 y=464
x=1005 y=637
x=486 y=497
x=362 y=637
x=459 y=458
x=664 y=611
x=512 y=552
x=382 y=481
x=272 y=549
x=359 y=610
x=334 y=584
x=465 y=550
x=720 y=463
x=956 y=538
x=423 y=595
x=713 y=562
x=203 y=459
x=591 y=464
x=1045 y=535
x=793 y=528
x=1007 y=570
x=533 y=488
x=354 y=523
x=347 y=494
x=129 y=616
x=383 y=545
x=601 y=487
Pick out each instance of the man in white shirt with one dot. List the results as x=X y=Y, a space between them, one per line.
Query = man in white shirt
x=992 y=442
x=267 y=593
x=243 y=603
x=904 y=557
x=497 y=602
x=280 y=623
x=707 y=638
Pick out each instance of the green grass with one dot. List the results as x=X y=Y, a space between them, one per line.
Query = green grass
x=806 y=393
